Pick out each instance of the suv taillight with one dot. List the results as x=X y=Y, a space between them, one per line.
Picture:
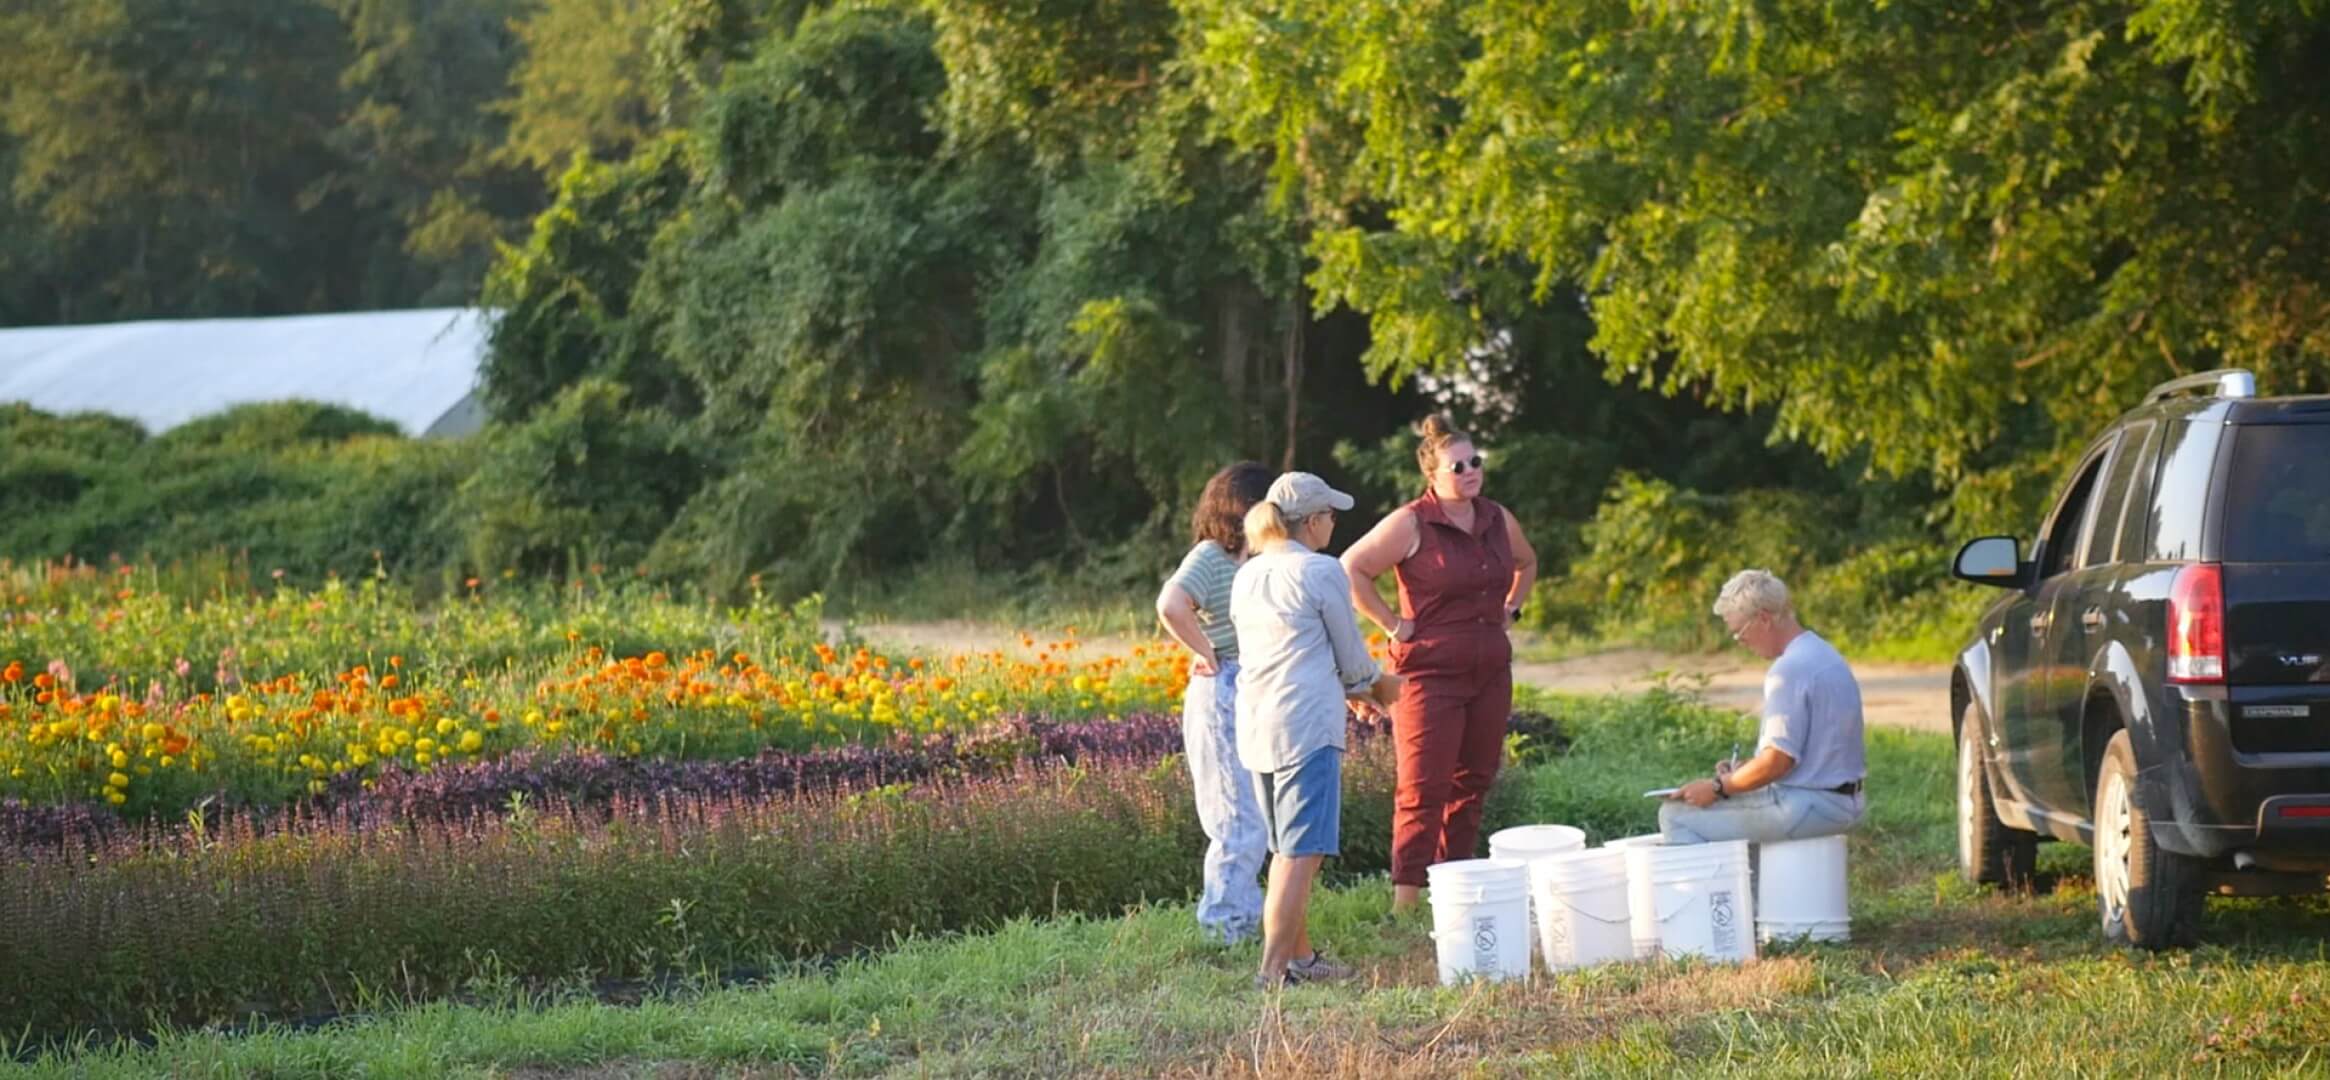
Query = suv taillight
x=2196 y=625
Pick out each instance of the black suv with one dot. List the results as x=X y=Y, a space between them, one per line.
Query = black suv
x=2156 y=682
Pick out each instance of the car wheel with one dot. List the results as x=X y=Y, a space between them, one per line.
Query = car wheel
x=1989 y=851
x=2148 y=897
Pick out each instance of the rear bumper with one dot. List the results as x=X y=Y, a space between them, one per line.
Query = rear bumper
x=2206 y=798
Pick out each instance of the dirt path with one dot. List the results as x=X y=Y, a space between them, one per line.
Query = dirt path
x=1915 y=696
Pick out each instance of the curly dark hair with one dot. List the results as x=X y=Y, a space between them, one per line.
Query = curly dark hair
x=1221 y=510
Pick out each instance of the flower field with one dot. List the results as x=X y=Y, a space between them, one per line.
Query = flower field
x=226 y=800
x=116 y=692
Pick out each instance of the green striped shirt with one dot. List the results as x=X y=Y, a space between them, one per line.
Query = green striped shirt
x=1205 y=574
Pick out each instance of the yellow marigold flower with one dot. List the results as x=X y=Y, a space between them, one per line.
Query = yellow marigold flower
x=168 y=761
x=116 y=798
x=471 y=741
x=424 y=745
x=445 y=726
x=120 y=759
x=152 y=732
x=421 y=758
x=116 y=780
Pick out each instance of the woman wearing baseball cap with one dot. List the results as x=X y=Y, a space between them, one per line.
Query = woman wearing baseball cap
x=1302 y=658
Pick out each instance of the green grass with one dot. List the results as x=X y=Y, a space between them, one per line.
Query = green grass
x=1941 y=980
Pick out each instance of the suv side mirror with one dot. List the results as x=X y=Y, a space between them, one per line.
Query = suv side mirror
x=1992 y=560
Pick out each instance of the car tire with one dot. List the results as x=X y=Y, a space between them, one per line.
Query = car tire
x=2148 y=897
x=1990 y=852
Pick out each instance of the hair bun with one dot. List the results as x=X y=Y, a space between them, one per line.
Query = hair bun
x=1435 y=426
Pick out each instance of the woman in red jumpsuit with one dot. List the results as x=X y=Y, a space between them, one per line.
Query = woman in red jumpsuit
x=1464 y=570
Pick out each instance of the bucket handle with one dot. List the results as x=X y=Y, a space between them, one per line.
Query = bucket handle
x=1663 y=911
x=1479 y=893
x=1588 y=910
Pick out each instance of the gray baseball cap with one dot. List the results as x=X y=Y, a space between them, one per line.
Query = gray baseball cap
x=1300 y=494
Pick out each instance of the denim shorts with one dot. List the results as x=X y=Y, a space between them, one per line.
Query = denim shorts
x=1302 y=807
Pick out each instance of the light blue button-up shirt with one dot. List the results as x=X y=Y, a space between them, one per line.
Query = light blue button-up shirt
x=1300 y=655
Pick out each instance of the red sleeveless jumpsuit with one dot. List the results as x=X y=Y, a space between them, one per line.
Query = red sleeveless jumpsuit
x=1449 y=723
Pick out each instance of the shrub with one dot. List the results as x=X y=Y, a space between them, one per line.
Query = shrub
x=312 y=489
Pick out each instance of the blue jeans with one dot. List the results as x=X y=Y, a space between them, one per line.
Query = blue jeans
x=1767 y=814
x=1230 y=907
x=1303 y=806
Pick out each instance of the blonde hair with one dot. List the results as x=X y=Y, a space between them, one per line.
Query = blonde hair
x=1434 y=434
x=1266 y=523
x=1753 y=592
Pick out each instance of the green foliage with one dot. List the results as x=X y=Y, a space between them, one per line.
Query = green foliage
x=1057 y=76
x=853 y=87
x=1655 y=556
x=47 y=463
x=582 y=89
x=565 y=298
x=307 y=488
x=213 y=157
x=576 y=484
x=270 y=426
x=1896 y=224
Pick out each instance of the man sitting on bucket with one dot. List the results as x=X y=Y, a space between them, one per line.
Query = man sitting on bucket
x=1805 y=778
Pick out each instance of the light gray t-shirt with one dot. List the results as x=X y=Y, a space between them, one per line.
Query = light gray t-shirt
x=1205 y=574
x=1812 y=712
x=1300 y=652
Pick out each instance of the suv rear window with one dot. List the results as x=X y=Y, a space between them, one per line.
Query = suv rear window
x=2277 y=498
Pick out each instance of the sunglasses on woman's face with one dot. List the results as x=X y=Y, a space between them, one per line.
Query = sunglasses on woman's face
x=1458 y=467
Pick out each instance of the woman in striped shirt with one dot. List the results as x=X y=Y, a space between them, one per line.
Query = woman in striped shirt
x=1195 y=607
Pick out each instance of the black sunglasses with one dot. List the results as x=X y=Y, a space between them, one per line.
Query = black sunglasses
x=1458 y=467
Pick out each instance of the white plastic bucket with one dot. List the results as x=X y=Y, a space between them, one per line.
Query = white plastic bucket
x=1642 y=914
x=1581 y=909
x=1800 y=890
x=1703 y=901
x=1532 y=842
x=1480 y=919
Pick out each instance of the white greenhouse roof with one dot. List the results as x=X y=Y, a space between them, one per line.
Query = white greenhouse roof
x=417 y=369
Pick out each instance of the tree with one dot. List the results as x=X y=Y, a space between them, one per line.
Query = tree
x=175 y=149
x=1936 y=223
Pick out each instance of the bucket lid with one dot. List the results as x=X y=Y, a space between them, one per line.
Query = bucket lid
x=1694 y=857
x=1538 y=839
x=1492 y=869
x=1645 y=840
x=1585 y=863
